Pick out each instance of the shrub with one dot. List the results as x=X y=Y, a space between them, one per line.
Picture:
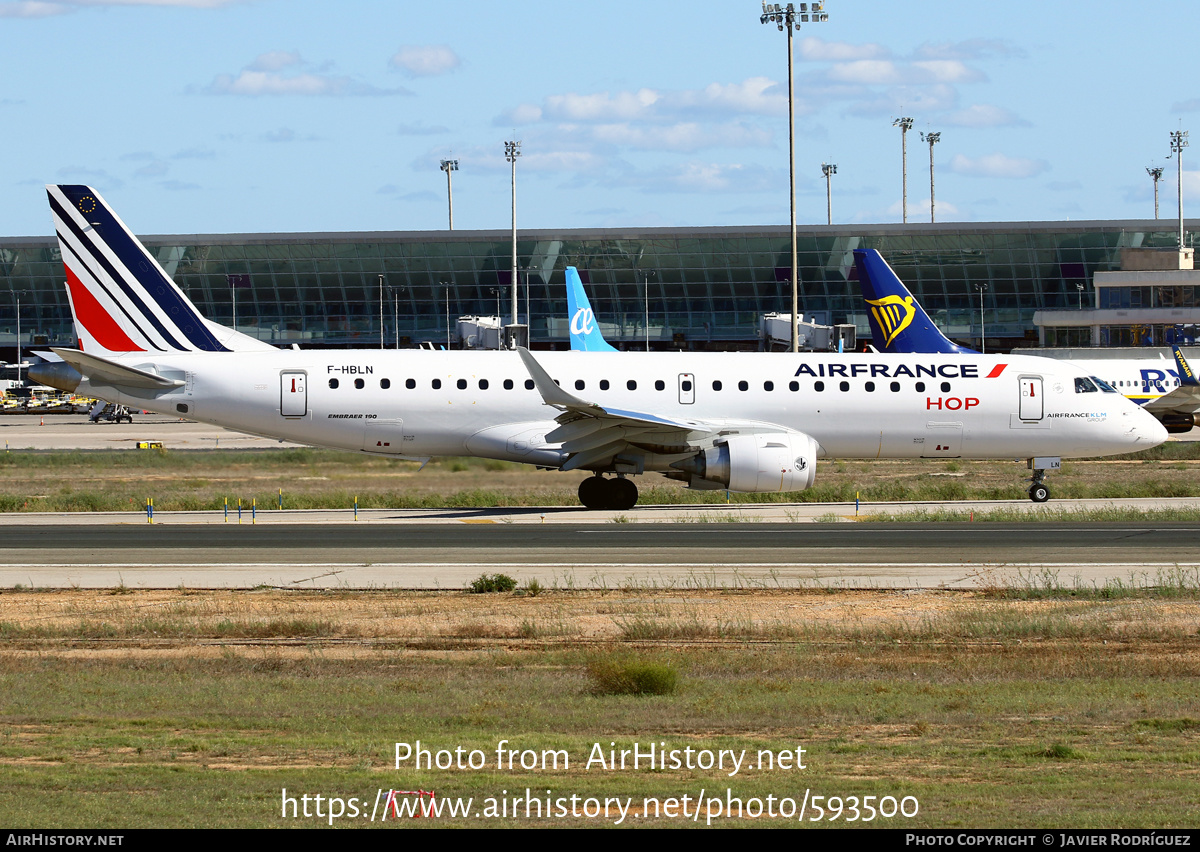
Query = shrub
x=632 y=677
x=492 y=583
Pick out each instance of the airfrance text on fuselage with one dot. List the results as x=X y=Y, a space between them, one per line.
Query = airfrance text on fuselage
x=888 y=371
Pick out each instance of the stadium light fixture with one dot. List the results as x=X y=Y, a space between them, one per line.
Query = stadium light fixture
x=787 y=19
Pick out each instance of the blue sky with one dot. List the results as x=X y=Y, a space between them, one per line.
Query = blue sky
x=214 y=116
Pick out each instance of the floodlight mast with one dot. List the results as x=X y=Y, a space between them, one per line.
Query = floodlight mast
x=450 y=166
x=1155 y=175
x=512 y=150
x=829 y=170
x=787 y=19
x=905 y=124
x=932 y=139
x=1179 y=141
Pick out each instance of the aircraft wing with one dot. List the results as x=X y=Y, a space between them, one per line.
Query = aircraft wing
x=591 y=433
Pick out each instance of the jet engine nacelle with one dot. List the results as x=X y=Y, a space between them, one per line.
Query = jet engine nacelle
x=771 y=461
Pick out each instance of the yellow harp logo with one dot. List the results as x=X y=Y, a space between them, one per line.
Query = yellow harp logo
x=893 y=315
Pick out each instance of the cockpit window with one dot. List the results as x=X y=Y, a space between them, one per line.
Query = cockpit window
x=1103 y=385
x=1084 y=385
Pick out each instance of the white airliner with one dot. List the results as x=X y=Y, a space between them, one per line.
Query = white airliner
x=752 y=422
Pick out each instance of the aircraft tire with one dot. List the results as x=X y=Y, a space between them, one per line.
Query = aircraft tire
x=593 y=493
x=623 y=494
x=1039 y=493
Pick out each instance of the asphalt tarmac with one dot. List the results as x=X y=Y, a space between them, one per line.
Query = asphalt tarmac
x=768 y=545
x=577 y=554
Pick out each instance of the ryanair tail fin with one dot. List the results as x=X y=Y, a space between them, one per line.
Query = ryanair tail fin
x=121 y=298
x=1187 y=376
x=898 y=323
x=585 y=331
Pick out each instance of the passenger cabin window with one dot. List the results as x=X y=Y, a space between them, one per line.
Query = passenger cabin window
x=437 y=384
x=483 y=384
x=895 y=386
x=818 y=386
x=686 y=386
x=333 y=383
x=743 y=386
x=410 y=383
x=579 y=385
x=659 y=384
x=631 y=384
x=529 y=384
x=717 y=384
x=768 y=386
x=360 y=384
x=508 y=384
x=462 y=384
x=920 y=387
x=385 y=383
x=870 y=387
x=604 y=384
x=843 y=386
x=793 y=386
x=945 y=387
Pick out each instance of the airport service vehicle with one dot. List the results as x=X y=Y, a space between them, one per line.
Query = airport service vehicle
x=751 y=422
x=899 y=324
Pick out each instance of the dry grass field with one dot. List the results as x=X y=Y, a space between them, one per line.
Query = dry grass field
x=988 y=708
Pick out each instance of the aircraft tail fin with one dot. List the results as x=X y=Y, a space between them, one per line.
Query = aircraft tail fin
x=898 y=322
x=121 y=298
x=1187 y=376
x=585 y=331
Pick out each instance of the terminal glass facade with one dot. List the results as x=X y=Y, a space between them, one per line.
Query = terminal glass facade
x=703 y=287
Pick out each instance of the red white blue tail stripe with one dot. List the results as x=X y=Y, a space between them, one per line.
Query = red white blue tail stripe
x=121 y=298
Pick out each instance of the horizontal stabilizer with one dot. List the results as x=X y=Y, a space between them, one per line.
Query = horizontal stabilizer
x=101 y=371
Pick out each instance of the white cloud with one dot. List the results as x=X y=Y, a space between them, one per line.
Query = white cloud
x=944 y=71
x=32 y=9
x=683 y=136
x=866 y=72
x=753 y=96
x=278 y=72
x=819 y=50
x=997 y=166
x=907 y=100
x=976 y=48
x=43 y=8
x=421 y=130
x=984 y=115
x=275 y=60
x=696 y=177
x=427 y=60
x=601 y=106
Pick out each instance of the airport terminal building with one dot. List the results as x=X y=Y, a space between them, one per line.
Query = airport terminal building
x=695 y=288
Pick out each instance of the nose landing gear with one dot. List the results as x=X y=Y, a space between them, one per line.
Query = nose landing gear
x=618 y=494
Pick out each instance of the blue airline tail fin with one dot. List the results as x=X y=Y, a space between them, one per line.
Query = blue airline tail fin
x=898 y=323
x=585 y=331
x=1187 y=376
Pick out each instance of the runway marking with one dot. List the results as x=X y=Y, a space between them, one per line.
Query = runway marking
x=561 y=564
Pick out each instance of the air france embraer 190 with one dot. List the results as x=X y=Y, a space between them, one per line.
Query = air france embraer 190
x=751 y=422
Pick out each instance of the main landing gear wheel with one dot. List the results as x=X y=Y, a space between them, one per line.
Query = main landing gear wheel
x=1038 y=492
x=618 y=494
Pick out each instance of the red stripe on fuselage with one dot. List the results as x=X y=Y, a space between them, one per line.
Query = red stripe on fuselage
x=96 y=320
x=997 y=370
